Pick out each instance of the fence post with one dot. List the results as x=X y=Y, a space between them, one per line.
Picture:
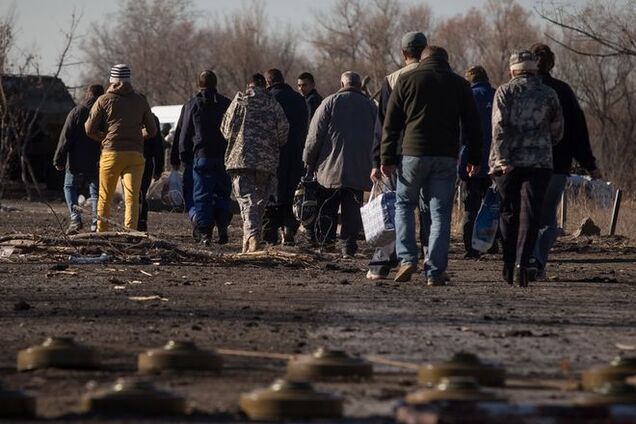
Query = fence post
x=564 y=211
x=615 y=210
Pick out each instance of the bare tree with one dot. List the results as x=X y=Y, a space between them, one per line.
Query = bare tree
x=159 y=39
x=20 y=109
x=608 y=24
x=166 y=44
x=247 y=45
x=488 y=36
x=364 y=36
x=605 y=83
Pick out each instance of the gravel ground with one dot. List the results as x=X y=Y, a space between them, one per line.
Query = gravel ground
x=549 y=331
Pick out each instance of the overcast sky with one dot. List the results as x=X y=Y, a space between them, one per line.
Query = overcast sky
x=40 y=22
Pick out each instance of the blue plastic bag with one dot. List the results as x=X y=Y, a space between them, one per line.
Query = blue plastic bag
x=487 y=221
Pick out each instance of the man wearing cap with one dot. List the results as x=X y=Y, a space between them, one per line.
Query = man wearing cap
x=120 y=120
x=384 y=258
x=526 y=121
x=426 y=109
x=202 y=146
x=339 y=139
x=575 y=145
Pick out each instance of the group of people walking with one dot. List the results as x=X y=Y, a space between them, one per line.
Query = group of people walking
x=429 y=128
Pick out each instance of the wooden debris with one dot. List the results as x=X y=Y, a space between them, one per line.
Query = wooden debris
x=135 y=246
x=147 y=298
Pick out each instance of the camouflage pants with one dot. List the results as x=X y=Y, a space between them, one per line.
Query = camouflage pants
x=251 y=189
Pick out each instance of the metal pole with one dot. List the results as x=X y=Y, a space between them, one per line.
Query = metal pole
x=615 y=210
x=564 y=211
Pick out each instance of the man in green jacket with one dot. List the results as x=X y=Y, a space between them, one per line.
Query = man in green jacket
x=427 y=106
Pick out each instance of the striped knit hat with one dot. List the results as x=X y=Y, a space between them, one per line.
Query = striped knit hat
x=120 y=73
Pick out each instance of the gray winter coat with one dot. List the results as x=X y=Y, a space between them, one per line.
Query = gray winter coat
x=340 y=139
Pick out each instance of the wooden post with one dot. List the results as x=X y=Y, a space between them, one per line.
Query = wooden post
x=615 y=210
x=564 y=211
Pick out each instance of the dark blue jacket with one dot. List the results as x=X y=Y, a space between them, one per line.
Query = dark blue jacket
x=291 y=168
x=200 y=135
x=75 y=149
x=484 y=94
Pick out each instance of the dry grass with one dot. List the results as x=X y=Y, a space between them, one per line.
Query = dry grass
x=579 y=208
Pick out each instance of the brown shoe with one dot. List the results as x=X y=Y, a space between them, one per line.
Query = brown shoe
x=404 y=273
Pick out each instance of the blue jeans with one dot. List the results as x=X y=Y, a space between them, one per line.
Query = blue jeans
x=548 y=230
x=211 y=196
x=436 y=177
x=188 y=191
x=73 y=184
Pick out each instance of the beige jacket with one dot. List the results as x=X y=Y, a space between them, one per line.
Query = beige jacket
x=121 y=120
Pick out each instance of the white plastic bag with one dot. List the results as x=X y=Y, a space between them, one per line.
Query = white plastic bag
x=378 y=217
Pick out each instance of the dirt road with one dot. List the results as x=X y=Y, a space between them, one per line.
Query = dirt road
x=554 y=328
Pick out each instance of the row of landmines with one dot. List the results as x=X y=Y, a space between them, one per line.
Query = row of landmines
x=456 y=381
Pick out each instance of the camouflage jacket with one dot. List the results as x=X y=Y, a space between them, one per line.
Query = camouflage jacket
x=526 y=121
x=255 y=127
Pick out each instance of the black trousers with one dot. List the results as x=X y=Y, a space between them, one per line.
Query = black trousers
x=149 y=169
x=522 y=192
x=349 y=201
x=279 y=217
x=473 y=192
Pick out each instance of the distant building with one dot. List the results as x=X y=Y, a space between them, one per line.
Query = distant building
x=49 y=98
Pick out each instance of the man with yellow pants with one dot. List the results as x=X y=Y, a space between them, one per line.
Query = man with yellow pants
x=120 y=120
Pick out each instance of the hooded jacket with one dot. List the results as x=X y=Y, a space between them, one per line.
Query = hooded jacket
x=484 y=95
x=427 y=107
x=340 y=139
x=75 y=150
x=200 y=135
x=290 y=168
x=121 y=119
x=255 y=127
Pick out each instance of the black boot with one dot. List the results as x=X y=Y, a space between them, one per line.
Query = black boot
x=222 y=219
x=206 y=235
x=142 y=226
x=533 y=269
x=288 y=237
x=508 y=273
x=521 y=277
